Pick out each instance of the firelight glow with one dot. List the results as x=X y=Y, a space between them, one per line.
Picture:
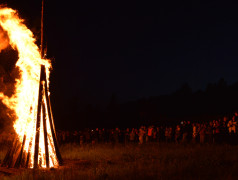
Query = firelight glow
x=24 y=100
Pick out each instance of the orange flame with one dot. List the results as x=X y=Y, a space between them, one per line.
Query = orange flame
x=25 y=99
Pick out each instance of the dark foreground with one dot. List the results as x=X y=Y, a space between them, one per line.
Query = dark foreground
x=133 y=161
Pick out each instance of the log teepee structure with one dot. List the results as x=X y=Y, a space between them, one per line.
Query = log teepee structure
x=17 y=156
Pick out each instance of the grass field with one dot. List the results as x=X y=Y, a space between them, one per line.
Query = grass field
x=133 y=161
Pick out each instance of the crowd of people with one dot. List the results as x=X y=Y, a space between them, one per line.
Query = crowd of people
x=223 y=130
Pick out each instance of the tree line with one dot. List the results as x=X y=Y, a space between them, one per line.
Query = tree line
x=215 y=101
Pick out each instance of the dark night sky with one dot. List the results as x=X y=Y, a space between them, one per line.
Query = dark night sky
x=135 y=49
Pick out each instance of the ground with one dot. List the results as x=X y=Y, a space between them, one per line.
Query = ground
x=133 y=161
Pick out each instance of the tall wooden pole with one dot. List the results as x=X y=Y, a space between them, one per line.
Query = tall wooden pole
x=37 y=136
x=42 y=30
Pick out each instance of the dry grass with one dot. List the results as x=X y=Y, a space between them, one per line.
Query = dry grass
x=148 y=161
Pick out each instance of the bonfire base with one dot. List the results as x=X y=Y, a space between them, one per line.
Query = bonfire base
x=16 y=156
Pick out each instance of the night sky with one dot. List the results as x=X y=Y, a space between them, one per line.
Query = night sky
x=132 y=49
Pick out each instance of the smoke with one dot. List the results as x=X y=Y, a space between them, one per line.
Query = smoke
x=4 y=40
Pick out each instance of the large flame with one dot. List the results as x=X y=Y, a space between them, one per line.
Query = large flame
x=25 y=99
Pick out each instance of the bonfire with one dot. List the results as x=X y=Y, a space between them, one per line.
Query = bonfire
x=36 y=144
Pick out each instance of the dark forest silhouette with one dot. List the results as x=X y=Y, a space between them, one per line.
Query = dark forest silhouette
x=216 y=101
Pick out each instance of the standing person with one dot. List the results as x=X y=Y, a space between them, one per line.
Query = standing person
x=93 y=136
x=166 y=134
x=177 y=134
x=184 y=132
x=170 y=131
x=217 y=132
x=111 y=136
x=146 y=134
x=141 y=135
x=157 y=134
x=209 y=133
x=81 y=139
x=132 y=135
x=232 y=129
x=116 y=135
x=202 y=133
x=150 y=133
x=122 y=136
x=127 y=135
x=87 y=135
x=136 y=135
x=189 y=130
x=162 y=134
x=96 y=135
x=107 y=135
x=75 y=136
x=224 y=131
x=100 y=134
x=195 y=133
x=154 y=135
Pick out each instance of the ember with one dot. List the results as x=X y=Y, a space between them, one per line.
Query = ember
x=36 y=144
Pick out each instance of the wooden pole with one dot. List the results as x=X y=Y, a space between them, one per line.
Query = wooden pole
x=45 y=137
x=58 y=155
x=23 y=160
x=19 y=158
x=9 y=153
x=42 y=30
x=42 y=73
x=29 y=154
x=15 y=152
x=51 y=114
x=37 y=135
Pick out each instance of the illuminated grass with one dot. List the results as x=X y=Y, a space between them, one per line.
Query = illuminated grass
x=154 y=161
